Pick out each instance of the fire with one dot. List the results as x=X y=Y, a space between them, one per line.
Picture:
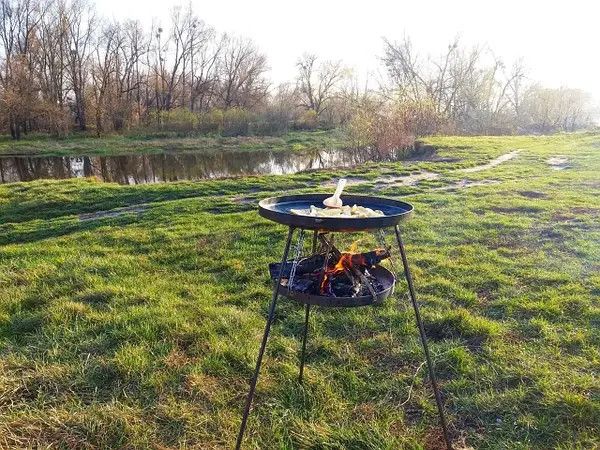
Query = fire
x=344 y=264
x=352 y=264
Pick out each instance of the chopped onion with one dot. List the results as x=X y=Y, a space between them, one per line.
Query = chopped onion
x=346 y=211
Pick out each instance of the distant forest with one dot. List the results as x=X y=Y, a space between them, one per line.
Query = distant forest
x=65 y=69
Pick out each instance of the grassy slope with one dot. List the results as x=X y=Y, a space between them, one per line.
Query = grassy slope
x=121 y=145
x=144 y=328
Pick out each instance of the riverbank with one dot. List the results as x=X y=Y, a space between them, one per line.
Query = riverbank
x=131 y=315
x=113 y=145
x=144 y=168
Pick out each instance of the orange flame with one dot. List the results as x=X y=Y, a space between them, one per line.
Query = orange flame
x=348 y=260
x=345 y=263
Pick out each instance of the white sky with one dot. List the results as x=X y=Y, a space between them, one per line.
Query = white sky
x=558 y=40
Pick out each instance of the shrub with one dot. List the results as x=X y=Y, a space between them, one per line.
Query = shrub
x=420 y=118
x=178 y=119
x=236 y=122
x=308 y=120
x=211 y=122
x=271 y=121
x=55 y=119
x=394 y=127
x=361 y=129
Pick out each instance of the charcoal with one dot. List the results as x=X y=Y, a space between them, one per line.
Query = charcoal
x=305 y=265
x=342 y=288
x=305 y=285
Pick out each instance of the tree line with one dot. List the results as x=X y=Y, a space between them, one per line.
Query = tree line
x=63 y=68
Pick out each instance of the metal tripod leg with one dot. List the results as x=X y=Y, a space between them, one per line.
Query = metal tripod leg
x=306 y=314
x=264 y=342
x=413 y=299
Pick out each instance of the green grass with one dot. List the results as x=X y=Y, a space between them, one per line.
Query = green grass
x=141 y=330
x=82 y=144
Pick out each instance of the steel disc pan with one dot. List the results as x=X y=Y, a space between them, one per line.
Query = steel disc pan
x=278 y=209
x=384 y=276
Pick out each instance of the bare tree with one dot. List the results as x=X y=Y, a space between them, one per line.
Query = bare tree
x=241 y=74
x=459 y=85
x=18 y=21
x=80 y=23
x=317 y=83
x=204 y=65
x=514 y=87
x=135 y=47
x=104 y=71
x=181 y=38
x=183 y=61
x=130 y=46
x=50 y=55
x=439 y=81
x=550 y=110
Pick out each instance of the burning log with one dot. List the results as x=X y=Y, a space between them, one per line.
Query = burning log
x=369 y=259
x=309 y=264
x=315 y=262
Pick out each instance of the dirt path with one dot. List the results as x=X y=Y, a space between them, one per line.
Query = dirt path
x=406 y=180
x=350 y=181
x=493 y=163
x=411 y=180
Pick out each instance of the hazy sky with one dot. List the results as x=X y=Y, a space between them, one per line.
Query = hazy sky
x=558 y=40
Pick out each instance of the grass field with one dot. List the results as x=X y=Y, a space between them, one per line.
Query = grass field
x=140 y=328
x=168 y=142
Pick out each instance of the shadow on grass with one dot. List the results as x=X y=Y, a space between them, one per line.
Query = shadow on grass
x=40 y=230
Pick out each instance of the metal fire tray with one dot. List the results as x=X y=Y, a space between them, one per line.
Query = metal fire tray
x=384 y=276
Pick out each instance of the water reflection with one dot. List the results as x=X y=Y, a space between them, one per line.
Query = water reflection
x=155 y=168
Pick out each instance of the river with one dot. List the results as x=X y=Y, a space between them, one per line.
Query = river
x=164 y=167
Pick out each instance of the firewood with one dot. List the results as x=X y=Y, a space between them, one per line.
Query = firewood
x=309 y=264
x=370 y=259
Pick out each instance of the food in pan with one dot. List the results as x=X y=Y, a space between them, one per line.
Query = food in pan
x=345 y=211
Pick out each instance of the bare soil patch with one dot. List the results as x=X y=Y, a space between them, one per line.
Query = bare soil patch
x=515 y=210
x=466 y=184
x=585 y=210
x=244 y=200
x=533 y=194
x=558 y=163
x=425 y=152
x=573 y=215
x=113 y=212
